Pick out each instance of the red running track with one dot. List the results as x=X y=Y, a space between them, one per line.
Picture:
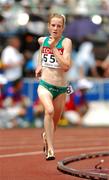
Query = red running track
x=21 y=156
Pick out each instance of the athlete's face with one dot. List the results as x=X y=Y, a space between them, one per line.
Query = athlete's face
x=56 y=27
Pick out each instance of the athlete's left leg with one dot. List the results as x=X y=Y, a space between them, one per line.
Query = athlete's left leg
x=59 y=104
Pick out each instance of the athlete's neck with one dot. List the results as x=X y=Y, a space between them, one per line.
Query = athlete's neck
x=57 y=38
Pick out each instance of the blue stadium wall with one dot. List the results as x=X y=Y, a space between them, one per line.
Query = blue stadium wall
x=99 y=92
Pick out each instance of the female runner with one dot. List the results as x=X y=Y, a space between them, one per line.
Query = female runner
x=53 y=63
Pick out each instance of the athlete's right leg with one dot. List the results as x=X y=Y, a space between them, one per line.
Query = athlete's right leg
x=59 y=104
x=46 y=99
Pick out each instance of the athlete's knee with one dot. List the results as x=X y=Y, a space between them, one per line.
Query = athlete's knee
x=49 y=111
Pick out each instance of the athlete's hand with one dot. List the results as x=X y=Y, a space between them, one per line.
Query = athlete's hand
x=52 y=42
x=38 y=72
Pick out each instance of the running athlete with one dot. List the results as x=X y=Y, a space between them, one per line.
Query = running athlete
x=53 y=63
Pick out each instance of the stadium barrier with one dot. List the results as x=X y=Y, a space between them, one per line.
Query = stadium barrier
x=99 y=92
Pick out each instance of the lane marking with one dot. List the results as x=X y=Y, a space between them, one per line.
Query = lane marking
x=85 y=144
x=57 y=151
x=71 y=139
x=60 y=142
x=19 y=147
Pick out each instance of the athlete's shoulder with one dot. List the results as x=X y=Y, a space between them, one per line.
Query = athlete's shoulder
x=41 y=40
x=67 y=41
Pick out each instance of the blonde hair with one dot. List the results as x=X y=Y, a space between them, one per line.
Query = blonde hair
x=61 y=16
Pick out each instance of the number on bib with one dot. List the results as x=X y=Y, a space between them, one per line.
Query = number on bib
x=70 y=90
x=49 y=60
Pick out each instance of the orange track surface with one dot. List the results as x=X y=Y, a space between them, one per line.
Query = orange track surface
x=21 y=156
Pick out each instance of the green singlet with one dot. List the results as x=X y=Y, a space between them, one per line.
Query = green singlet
x=48 y=58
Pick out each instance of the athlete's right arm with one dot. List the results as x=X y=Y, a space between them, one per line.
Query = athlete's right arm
x=39 y=65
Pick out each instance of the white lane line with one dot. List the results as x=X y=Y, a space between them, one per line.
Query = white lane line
x=61 y=144
x=57 y=151
x=71 y=139
x=9 y=144
x=19 y=147
x=20 y=154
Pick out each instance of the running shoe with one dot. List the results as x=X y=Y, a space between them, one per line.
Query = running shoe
x=50 y=155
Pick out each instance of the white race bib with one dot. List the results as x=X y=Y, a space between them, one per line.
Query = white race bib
x=49 y=60
x=70 y=89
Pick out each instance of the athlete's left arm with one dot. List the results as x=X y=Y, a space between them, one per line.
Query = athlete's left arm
x=65 y=59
